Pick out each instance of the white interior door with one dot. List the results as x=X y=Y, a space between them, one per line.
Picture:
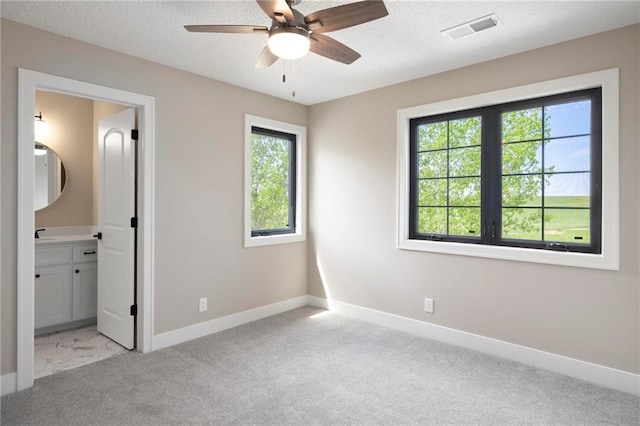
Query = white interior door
x=116 y=207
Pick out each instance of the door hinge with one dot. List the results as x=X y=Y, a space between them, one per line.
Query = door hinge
x=134 y=134
x=134 y=222
x=133 y=310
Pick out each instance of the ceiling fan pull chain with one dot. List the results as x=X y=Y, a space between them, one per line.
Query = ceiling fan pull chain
x=293 y=72
x=284 y=72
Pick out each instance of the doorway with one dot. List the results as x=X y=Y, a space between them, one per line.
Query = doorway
x=29 y=82
x=82 y=142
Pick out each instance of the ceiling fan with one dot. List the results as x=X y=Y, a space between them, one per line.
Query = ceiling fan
x=292 y=35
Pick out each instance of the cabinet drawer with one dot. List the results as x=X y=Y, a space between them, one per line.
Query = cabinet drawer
x=85 y=253
x=53 y=255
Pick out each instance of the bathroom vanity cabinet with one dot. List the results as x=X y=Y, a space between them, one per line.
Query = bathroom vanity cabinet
x=66 y=284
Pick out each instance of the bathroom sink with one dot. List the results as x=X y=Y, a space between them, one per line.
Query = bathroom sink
x=63 y=238
x=42 y=239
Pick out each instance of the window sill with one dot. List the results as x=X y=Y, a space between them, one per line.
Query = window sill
x=268 y=240
x=580 y=260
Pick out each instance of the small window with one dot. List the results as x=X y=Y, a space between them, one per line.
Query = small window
x=274 y=182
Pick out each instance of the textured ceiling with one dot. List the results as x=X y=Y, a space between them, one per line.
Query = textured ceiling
x=405 y=45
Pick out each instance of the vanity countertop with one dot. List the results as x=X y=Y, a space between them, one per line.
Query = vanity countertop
x=57 y=239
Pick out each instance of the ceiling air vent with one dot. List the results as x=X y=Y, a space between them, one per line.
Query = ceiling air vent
x=472 y=27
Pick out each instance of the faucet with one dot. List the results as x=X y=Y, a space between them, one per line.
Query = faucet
x=38 y=230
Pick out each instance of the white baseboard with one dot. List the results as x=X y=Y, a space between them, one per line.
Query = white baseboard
x=594 y=373
x=589 y=372
x=318 y=302
x=202 y=329
x=9 y=384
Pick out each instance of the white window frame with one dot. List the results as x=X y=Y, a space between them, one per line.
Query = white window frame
x=608 y=80
x=300 y=132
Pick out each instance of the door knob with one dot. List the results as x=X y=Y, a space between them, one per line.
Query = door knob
x=98 y=235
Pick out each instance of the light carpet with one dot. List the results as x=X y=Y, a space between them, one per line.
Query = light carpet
x=313 y=367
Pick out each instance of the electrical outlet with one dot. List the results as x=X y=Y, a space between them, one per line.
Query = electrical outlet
x=428 y=305
x=203 y=304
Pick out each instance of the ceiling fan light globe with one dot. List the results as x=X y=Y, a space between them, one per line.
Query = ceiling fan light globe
x=289 y=43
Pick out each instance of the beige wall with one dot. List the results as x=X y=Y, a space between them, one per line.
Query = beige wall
x=198 y=172
x=587 y=314
x=582 y=313
x=70 y=136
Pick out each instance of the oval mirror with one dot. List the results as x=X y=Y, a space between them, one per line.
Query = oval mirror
x=50 y=176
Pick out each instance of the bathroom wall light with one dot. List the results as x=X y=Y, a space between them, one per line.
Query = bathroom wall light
x=41 y=127
x=40 y=150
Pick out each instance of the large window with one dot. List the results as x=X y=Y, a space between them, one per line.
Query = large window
x=274 y=182
x=538 y=186
x=528 y=173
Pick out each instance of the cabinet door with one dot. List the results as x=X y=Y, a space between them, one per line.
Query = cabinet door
x=85 y=290
x=52 y=295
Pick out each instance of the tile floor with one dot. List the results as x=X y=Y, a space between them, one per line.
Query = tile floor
x=69 y=349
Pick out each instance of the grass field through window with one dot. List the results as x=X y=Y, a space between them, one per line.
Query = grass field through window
x=569 y=224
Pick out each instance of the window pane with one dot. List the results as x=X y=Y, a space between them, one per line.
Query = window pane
x=568 y=119
x=583 y=201
x=564 y=187
x=464 y=132
x=464 y=192
x=521 y=191
x=432 y=136
x=567 y=225
x=568 y=155
x=522 y=125
x=522 y=224
x=464 y=162
x=432 y=192
x=463 y=221
x=432 y=220
x=270 y=159
x=524 y=157
x=432 y=164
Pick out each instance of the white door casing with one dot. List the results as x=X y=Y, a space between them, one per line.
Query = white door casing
x=116 y=207
x=28 y=83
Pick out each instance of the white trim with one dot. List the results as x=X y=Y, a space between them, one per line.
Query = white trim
x=28 y=83
x=8 y=384
x=609 y=259
x=216 y=325
x=594 y=373
x=318 y=302
x=301 y=183
x=598 y=374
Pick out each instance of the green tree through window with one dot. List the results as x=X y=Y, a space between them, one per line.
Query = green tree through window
x=520 y=174
x=272 y=182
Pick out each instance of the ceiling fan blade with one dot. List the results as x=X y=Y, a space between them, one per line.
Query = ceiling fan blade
x=226 y=29
x=330 y=48
x=266 y=58
x=348 y=15
x=276 y=8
